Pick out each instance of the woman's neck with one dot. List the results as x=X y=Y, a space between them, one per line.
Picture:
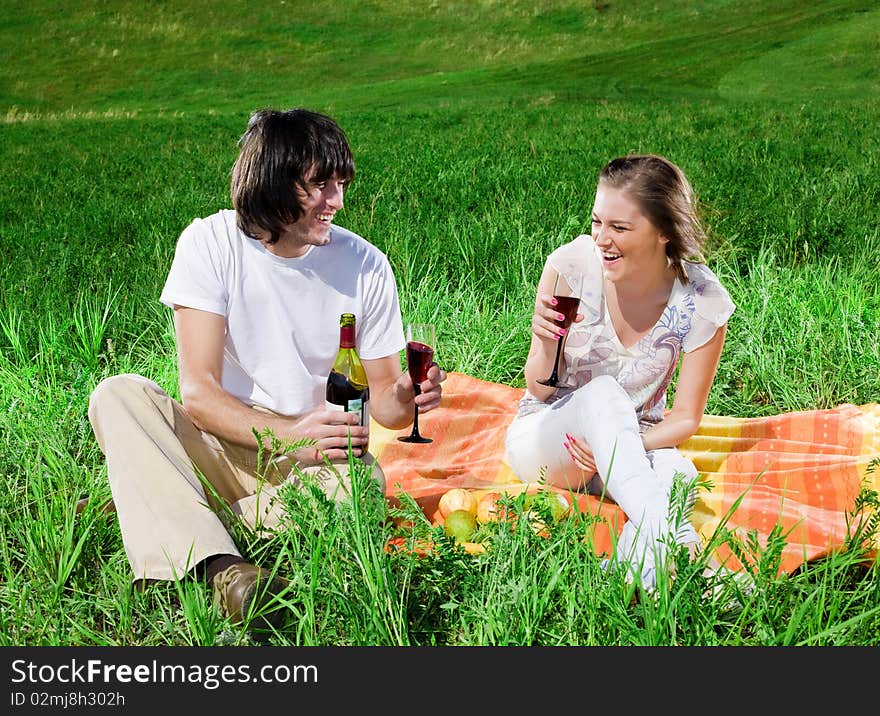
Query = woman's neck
x=652 y=286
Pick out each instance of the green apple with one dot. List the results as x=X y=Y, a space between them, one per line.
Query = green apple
x=557 y=503
x=460 y=525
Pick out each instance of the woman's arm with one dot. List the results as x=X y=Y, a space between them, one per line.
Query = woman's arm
x=695 y=376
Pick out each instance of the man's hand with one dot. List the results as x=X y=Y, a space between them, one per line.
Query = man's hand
x=431 y=389
x=392 y=392
x=331 y=429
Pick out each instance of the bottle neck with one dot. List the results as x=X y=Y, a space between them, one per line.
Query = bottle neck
x=346 y=336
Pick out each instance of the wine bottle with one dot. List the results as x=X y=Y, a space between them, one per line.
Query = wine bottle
x=347 y=387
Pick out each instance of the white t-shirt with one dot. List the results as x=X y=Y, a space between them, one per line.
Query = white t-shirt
x=282 y=314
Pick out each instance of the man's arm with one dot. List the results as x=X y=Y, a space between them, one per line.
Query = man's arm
x=391 y=391
x=200 y=341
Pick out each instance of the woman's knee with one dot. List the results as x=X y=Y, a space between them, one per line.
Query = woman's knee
x=603 y=409
x=520 y=451
x=526 y=466
x=603 y=394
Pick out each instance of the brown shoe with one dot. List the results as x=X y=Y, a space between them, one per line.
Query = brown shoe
x=244 y=591
x=105 y=507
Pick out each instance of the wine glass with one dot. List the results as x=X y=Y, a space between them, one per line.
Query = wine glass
x=420 y=341
x=568 y=299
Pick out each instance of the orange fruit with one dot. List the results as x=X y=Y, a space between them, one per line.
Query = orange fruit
x=487 y=509
x=419 y=547
x=473 y=547
x=437 y=518
x=402 y=523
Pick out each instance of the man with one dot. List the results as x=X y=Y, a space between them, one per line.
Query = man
x=257 y=293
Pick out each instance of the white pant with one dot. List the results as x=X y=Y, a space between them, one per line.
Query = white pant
x=602 y=414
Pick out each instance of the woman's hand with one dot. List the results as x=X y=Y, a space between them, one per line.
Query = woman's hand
x=545 y=317
x=581 y=454
x=546 y=335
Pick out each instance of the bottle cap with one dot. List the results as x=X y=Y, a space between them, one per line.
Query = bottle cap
x=346 y=330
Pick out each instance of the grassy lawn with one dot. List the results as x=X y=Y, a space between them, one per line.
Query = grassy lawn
x=478 y=130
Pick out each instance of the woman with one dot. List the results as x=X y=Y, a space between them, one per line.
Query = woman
x=648 y=305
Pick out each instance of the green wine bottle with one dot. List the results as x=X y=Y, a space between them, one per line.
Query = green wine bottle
x=347 y=387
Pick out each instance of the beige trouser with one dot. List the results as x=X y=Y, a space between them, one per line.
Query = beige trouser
x=155 y=456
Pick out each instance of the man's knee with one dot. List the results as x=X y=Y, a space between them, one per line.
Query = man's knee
x=378 y=474
x=335 y=478
x=118 y=389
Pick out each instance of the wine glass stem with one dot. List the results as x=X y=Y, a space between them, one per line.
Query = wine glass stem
x=415 y=430
x=554 y=376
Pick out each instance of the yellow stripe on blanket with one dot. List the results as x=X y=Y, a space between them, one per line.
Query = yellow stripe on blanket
x=801 y=470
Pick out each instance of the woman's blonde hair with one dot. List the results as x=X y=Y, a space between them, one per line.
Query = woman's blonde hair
x=665 y=196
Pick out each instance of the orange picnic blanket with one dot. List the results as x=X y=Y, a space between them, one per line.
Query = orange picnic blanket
x=799 y=470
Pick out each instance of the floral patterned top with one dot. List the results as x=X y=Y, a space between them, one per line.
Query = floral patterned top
x=694 y=311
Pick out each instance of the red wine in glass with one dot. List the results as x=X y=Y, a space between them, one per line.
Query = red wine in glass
x=420 y=341
x=418 y=359
x=568 y=306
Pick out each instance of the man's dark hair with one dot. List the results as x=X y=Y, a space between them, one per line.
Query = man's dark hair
x=280 y=151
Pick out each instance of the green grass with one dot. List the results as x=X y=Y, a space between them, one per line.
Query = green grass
x=478 y=129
